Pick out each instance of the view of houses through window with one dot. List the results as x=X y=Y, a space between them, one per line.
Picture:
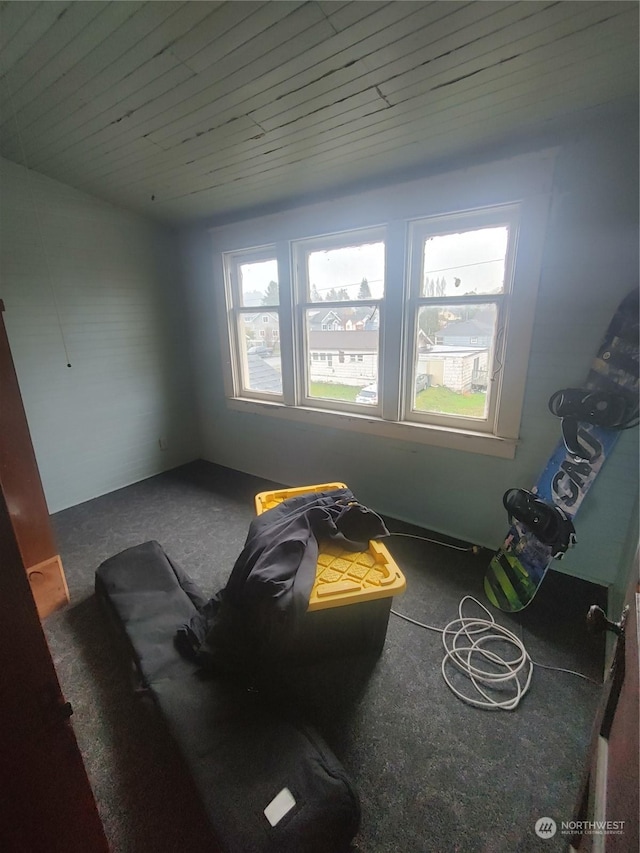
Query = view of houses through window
x=461 y=283
x=451 y=307
x=342 y=288
x=259 y=325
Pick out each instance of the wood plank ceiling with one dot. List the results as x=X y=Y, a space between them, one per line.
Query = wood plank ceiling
x=179 y=110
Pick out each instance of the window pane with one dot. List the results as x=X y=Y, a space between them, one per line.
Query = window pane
x=342 y=362
x=259 y=283
x=259 y=336
x=451 y=365
x=352 y=272
x=471 y=262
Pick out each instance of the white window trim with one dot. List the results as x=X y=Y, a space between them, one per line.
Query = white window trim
x=236 y=367
x=525 y=180
x=447 y=437
x=507 y=215
x=303 y=303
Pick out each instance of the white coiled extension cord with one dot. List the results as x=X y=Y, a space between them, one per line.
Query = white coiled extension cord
x=466 y=641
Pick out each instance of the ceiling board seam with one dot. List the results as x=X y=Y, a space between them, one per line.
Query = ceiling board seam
x=424 y=95
x=326 y=17
x=64 y=46
x=292 y=39
x=132 y=49
x=420 y=50
x=151 y=100
x=472 y=41
x=5 y=31
x=275 y=51
x=338 y=150
x=522 y=53
x=112 y=36
x=421 y=101
x=383 y=82
x=325 y=60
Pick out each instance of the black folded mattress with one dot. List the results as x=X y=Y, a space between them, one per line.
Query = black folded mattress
x=268 y=783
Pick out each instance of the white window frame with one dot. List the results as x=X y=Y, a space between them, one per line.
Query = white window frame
x=237 y=365
x=419 y=231
x=525 y=180
x=300 y=250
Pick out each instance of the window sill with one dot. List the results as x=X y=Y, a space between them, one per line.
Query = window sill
x=436 y=436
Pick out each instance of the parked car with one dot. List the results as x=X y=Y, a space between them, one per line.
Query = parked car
x=368 y=395
x=423 y=380
x=260 y=349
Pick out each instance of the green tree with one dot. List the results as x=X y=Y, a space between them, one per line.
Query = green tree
x=334 y=295
x=271 y=296
x=365 y=290
x=315 y=295
x=429 y=321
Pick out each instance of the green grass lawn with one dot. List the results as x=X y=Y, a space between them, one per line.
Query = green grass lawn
x=447 y=402
x=440 y=400
x=331 y=391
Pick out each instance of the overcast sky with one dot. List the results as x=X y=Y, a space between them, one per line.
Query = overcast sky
x=347 y=267
x=476 y=258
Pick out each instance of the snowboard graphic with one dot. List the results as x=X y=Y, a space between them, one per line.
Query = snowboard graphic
x=519 y=567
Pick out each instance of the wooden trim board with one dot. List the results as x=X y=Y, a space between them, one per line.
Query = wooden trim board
x=48 y=585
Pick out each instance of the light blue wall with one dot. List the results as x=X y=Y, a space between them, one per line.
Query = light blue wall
x=590 y=262
x=108 y=282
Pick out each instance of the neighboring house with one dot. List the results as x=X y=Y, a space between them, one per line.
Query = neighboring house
x=343 y=319
x=425 y=342
x=264 y=327
x=346 y=357
x=457 y=356
x=478 y=331
x=458 y=368
x=323 y=321
x=351 y=358
x=363 y=319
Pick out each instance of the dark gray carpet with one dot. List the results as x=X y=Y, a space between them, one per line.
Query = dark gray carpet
x=434 y=775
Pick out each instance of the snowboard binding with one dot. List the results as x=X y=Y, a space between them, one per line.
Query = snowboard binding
x=549 y=524
x=601 y=408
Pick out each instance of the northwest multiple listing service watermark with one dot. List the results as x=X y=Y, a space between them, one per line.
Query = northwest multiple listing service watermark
x=546 y=827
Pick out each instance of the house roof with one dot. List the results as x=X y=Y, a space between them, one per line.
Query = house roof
x=262 y=376
x=466 y=329
x=353 y=314
x=354 y=340
x=444 y=351
x=322 y=316
x=253 y=316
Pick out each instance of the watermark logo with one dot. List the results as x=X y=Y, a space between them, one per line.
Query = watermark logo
x=546 y=827
x=592 y=827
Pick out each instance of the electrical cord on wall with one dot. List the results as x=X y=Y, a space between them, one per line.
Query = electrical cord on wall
x=466 y=642
x=473 y=548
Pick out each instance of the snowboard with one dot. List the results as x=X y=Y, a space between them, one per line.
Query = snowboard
x=518 y=569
